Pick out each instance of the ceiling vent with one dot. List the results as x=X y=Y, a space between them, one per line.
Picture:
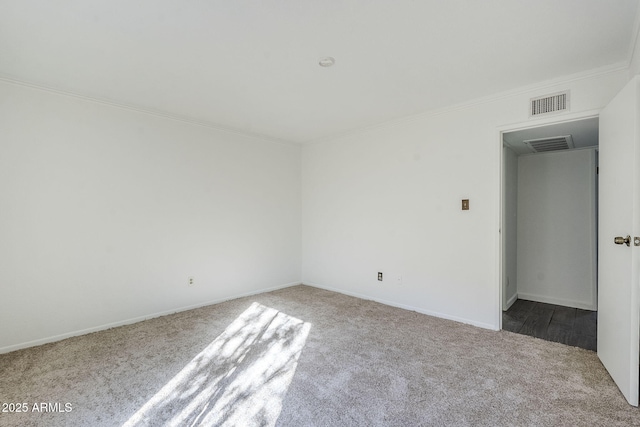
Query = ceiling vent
x=553 y=143
x=549 y=104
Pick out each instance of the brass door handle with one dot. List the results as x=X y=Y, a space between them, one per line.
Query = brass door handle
x=620 y=240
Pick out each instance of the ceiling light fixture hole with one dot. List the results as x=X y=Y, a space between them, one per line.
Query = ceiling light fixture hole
x=326 y=61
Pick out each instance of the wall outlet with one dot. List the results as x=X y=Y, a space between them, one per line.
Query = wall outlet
x=192 y=281
x=399 y=279
x=379 y=276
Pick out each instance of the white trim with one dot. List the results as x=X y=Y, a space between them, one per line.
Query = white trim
x=149 y=111
x=540 y=86
x=546 y=121
x=500 y=237
x=404 y=306
x=556 y=301
x=60 y=337
x=594 y=227
x=511 y=300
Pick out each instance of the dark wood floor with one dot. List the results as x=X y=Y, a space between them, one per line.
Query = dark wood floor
x=566 y=325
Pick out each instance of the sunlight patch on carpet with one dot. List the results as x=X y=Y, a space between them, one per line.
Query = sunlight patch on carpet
x=241 y=378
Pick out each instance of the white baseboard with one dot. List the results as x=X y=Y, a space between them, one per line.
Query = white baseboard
x=405 y=307
x=556 y=301
x=60 y=337
x=511 y=300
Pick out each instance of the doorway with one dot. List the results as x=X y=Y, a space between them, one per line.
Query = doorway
x=549 y=232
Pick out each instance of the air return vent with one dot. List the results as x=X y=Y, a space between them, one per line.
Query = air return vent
x=554 y=143
x=550 y=104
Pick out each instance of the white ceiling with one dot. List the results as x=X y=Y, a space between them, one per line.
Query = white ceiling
x=252 y=66
x=584 y=133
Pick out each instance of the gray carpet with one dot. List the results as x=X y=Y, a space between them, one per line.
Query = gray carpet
x=308 y=357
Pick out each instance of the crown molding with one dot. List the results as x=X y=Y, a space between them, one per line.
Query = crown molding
x=635 y=34
x=540 y=86
x=149 y=111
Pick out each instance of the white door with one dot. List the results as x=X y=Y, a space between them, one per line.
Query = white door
x=619 y=216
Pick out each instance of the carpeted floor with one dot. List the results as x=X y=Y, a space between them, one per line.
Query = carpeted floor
x=307 y=357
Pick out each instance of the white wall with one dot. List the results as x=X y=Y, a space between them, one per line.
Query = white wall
x=510 y=225
x=557 y=228
x=634 y=67
x=105 y=213
x=388 y=199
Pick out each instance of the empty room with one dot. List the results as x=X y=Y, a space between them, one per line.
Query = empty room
x=297 y=213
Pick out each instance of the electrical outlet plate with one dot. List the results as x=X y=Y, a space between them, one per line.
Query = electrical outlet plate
x=379 y=276
x=191 y=281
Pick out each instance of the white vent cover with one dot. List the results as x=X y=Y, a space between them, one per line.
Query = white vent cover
x=553 y=143
x=549 y=104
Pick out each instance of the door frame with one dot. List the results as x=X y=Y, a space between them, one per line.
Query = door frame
x=531 y=124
